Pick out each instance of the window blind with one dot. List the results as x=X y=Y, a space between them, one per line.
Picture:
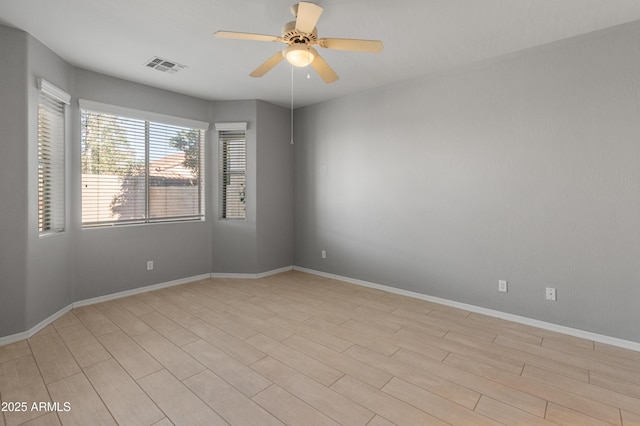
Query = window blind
x=233 y=179
x=140 y=171
x=51 y=162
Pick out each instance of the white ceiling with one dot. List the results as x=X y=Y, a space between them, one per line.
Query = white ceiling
x=116 y=37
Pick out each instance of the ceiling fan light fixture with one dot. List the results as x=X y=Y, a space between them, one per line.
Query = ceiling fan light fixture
x=299 y=55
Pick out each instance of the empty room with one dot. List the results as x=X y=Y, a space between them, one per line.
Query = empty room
x=339 y=212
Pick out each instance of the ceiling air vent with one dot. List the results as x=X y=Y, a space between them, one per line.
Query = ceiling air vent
x=163 y=65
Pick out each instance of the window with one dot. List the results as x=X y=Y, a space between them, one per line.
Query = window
x=140 y=167
x=51 y=147
x=233 y=169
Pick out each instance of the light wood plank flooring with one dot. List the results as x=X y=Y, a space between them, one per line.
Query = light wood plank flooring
x=298 y=349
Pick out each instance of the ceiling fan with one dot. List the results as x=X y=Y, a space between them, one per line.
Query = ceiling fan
x=300 y=35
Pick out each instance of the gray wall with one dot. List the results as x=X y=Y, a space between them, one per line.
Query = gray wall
x=13 y=180
x=234 y=242
x=264 y=241
x=523 y=168
x=41 y=275
x=274 y=188
x=48 y=280
x=109 y=260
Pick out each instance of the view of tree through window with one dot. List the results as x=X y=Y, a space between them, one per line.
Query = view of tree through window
x=138 y=171
x=105 y=148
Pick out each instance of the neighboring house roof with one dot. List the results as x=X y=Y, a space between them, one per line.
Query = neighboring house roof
x=171 y=167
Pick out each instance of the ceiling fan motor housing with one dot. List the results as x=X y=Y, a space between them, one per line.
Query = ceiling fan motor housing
x=292 y=36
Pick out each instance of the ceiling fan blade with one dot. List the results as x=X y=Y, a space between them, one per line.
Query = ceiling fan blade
x=307 y=16
x=371 y=46
x=245 y=36
x=322 y=68
x=267 y=65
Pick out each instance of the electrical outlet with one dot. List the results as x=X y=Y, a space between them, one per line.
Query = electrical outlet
x=502 y=286
x=149 y=265
x=323 y=253
x=550 y=294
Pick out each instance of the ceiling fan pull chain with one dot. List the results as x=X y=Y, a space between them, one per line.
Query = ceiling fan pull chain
x=291 y=104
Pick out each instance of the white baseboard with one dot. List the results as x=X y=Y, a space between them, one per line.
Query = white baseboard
x=45 y=322
x=36 y=328
x=134 y=291
x=92 y=301
x=251 y=276
x=613 y=341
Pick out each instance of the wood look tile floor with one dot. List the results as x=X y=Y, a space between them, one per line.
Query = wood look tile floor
x=298 y=349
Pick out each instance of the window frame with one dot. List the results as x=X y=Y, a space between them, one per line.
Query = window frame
x=51 y=157
x=150 y=118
